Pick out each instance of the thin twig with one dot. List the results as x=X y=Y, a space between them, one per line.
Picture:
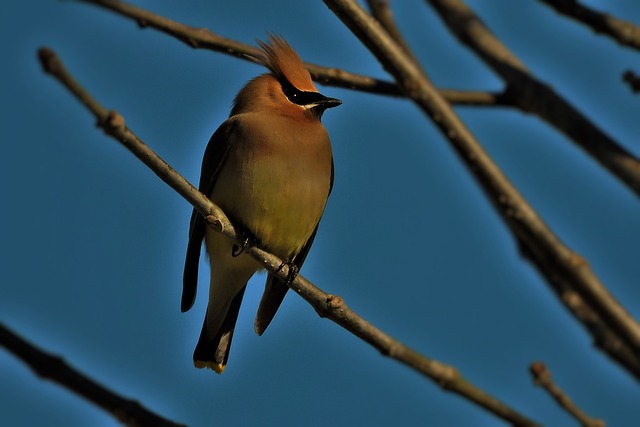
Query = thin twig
x=54 y=368
x=329 y=306
x=624 y=32
x=555 y=260
x=531 y=95
x=542 y=377
x=202 y=38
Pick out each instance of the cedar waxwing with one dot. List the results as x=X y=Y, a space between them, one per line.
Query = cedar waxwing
x=269 y=167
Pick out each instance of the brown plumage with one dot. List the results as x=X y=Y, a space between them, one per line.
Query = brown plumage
x=269 y=167
x=284 y=63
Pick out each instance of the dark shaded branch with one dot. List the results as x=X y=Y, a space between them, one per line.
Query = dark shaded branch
x=604 y=338
x=128 y=412
x=542 y=378
x=326 y=305
x=531 y=95
x=624 y=32
x=557 y=262
x=633 y=80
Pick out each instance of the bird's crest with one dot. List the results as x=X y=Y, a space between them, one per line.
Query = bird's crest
x=284 y=63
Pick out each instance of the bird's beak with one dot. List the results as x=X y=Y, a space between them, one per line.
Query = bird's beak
x=327 y=102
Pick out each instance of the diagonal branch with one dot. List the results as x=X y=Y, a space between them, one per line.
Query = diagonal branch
x=624 y=32
x=202 y=38
x=531 y=95
x=542 y=377
x=562 y=267
x=381 y=10
x=326 y=305
x=129 y=412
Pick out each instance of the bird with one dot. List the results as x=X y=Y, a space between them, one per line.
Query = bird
x=269 y=167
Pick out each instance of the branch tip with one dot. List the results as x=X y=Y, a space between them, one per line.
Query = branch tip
x=48 y=59
x=537 y=369
x=542 y=378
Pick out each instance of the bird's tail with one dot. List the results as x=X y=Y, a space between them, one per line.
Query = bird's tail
x=212 y=350
x=274 y=293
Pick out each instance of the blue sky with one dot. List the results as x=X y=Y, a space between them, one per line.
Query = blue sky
x=93 y=243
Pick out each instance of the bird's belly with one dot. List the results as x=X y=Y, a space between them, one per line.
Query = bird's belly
x=279 y=199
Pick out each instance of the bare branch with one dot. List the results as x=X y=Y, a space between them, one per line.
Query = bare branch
x=531 y=95
x=624 y=32
x=542 y=377
x=471 y=98
x=326 y=305
x=604 y=338
x=202 y=38
x=563 y=268
x=381 y=10
x=128 y=412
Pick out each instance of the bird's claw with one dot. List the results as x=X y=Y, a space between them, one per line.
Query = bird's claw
x=246 y=240
x=292 y=273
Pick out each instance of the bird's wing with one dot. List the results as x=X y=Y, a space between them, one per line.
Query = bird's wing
x=214 y=157
x=275 y=290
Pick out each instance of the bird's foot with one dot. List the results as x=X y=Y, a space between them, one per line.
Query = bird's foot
x=245 y=240
x=292 y=273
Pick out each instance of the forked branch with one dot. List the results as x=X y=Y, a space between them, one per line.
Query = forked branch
x=528 y=93
x=564 y=269
x=542 y=377
x=624 y=32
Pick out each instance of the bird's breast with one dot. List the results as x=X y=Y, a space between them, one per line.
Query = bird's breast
x=276 y=181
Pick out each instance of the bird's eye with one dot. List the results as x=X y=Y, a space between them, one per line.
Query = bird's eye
x=289 y=91
x=299 y=97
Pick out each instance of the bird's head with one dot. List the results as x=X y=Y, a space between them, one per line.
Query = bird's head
x=288 y=88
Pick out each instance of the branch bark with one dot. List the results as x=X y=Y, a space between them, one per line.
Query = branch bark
x=564 y=269
x=532 y=95
x=542 y=377
x=128 y=412
x=624 y=32
x=326 y=305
